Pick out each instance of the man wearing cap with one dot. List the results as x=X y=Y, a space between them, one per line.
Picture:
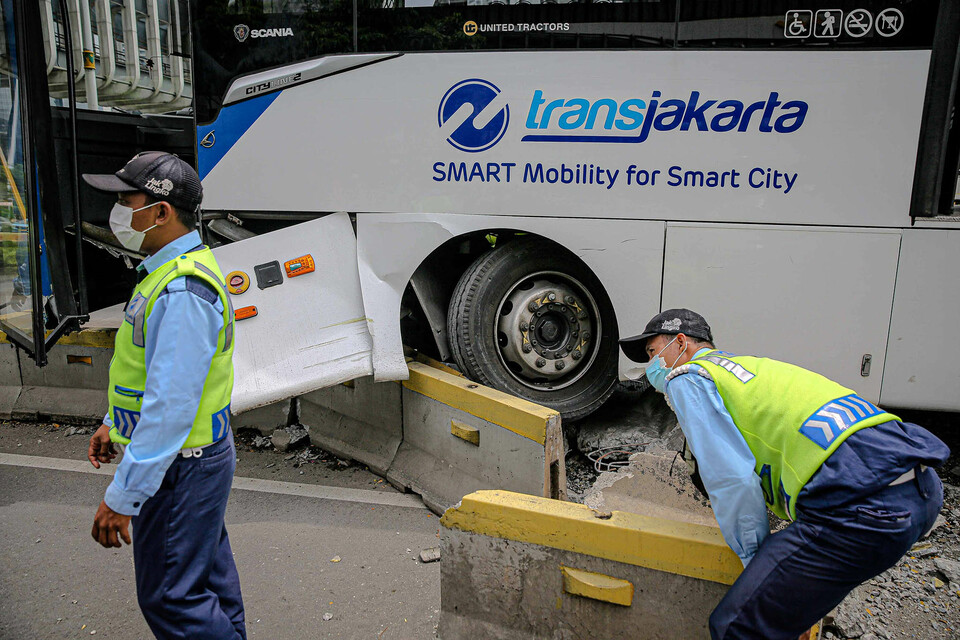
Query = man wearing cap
x=854 y=481
x=169 y=395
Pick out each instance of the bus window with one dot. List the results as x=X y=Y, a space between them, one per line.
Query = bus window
x=419 y=25
x=239 y=37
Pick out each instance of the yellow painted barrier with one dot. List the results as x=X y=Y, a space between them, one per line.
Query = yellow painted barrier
x=520 y=416
x=691 y=550
x=597 y=586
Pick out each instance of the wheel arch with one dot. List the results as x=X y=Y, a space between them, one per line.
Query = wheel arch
x=395 y=250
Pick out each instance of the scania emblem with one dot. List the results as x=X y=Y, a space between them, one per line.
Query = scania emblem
x=242 y=32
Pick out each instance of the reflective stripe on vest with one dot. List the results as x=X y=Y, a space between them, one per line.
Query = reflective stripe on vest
x=792 y=419
x=128 y=373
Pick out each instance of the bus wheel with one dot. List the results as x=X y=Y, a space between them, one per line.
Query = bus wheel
x=529 y=318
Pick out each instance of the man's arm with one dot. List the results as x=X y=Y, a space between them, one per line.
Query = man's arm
x=726 y=464
x=182 y=333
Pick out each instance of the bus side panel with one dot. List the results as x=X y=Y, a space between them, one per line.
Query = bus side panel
x=298 y=330
x=819 y=298
x=370 y=139
x=922 y=370
x=625 y=255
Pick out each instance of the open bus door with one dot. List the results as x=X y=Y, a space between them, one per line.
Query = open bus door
x=38 y=302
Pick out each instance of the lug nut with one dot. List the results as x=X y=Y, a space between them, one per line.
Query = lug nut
x=527 y=348
x=541 y=362
x=569 y=300
x=577 y=355
x=551 y=296
x=582 y=315
x=586 y=335
x=524 y=326
x=559 y=365
x=532 y=306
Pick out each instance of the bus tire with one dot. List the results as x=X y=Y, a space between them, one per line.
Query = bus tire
x=531 y=319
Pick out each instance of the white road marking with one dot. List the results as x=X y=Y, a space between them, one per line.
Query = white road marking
x=322 y=492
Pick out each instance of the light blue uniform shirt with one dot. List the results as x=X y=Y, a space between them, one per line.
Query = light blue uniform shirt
x=726 y=464
x=182 y=333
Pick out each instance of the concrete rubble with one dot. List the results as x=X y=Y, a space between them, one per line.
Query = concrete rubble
x=430 y=555
x=626 y=422
x=652 y=484
x=289 y=438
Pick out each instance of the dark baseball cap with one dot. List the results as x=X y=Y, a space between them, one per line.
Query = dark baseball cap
x=670 y=322
x=158 y=174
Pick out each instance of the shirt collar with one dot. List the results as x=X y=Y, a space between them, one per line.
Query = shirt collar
x=173 y=249
x=702 y=352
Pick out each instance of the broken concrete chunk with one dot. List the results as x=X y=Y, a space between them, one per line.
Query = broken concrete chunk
x=923 y=550
x=289 y=438
x=430 y=555
x=651 y=485
x=949 y=568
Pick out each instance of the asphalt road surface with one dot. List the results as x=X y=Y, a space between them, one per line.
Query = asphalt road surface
x=56 y=582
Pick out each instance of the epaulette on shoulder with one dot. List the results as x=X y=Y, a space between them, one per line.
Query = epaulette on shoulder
x=687 y=368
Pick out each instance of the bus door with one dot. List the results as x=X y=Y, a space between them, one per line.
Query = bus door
x=37 y=300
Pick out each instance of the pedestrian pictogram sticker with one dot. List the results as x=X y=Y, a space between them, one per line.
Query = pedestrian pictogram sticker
x=828 y=23
x=858 y=23
x=889 y=22
x=798 y=23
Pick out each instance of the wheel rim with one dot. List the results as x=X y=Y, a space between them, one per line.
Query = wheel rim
x=548 y=329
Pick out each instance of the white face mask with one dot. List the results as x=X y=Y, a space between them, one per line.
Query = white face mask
x=120 y=219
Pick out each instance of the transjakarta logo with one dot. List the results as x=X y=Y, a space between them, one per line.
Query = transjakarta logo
x=605 y=120
x=473 y=116
x=575 y=117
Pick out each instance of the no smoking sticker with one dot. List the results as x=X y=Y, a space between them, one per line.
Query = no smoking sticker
x=858 y=23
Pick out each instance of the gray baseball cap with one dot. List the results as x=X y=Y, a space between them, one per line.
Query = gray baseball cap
x=670 y=322
x=158 y=174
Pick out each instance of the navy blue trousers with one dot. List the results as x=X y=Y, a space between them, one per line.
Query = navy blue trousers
x=801 y=573
x=187 y=582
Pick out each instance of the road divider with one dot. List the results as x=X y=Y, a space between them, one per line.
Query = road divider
x=72 y=387
x=440 y=435
x=460 y=437
x=519 y=566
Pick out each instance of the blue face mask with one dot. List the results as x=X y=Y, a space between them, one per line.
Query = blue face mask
x=657 y=370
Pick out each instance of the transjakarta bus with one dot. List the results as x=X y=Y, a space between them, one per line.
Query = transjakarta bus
x=527 y=183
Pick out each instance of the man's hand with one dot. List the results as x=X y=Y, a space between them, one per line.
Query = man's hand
x=107 y=524
x=101 y=449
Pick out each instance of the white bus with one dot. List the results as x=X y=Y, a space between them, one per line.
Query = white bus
x=529 y=182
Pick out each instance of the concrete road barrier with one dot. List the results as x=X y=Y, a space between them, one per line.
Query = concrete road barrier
x=440 y=435
x=10 y=382
x=516 y=567
x=459 y=437
x=71 y=387
x=360 y=420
